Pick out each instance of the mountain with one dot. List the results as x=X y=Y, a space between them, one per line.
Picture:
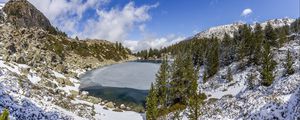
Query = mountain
x=219 y=31
x=232 y=72
x=21 y=13
x=40 y=66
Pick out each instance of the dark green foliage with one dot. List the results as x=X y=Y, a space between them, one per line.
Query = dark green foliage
x=229 y=75
x=251 y=78
x=150 y=54
x=295 y=26
x=268 y=66
x=61 y=46
x=4 y=115
x=282 y=32
x=246 y=43
x=151 y=104
x=212 y=58
x=162 y=78
x=258 y=37
x=227 y=50
x=270 y=35
x=289 y=64
x=195 y=103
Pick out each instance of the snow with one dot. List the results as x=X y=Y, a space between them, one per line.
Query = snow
x=2 y=5
x=58 y=75
x=103 y=114
x=33 y=78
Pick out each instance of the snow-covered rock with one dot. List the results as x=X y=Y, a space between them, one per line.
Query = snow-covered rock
x=219 y=31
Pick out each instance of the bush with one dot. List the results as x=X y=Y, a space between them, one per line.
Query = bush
x=4 y=115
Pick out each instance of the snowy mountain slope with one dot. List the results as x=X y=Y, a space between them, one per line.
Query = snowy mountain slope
x=26 y=99
x=2 y=5
x=235 y=100
x=219 y=31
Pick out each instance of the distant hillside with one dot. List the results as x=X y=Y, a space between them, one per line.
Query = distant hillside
x=219 y=31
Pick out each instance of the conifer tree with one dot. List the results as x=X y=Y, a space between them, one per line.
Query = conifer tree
x=195 y=100
x=259 y=39
x=4 y=115
x=270 y=34
x=151 y=104
x=204 y=79
x=250 y=79
x=212 y=57
x=282 y=38
x=246 y=41
x=268 y=66
x=227 y=54
x=229 y=75
x=177 y=83
x=162 y=81
x=289 y=64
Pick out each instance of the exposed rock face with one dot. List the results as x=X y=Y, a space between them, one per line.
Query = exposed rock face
x=23 y=14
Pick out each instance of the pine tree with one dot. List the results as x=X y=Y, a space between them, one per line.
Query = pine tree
x=177 y=83
x=270 y=35
x=4 y=115
x=268 y=66
x=289 y=64
x=227 y=54
x=250 y=79
x=246 y=42
x=151 y=104
x=282 y=38
x=229 y=75
x=212 y=57
x=258 y=38
x=162 y=81
x=204 y=79
x=195 y=100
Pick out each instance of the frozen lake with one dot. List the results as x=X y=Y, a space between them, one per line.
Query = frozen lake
x=136 y=75
x=122 y=83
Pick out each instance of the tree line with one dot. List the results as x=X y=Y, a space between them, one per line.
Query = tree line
x=176 y=85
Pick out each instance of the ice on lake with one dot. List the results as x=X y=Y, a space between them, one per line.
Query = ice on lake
x=136 y=75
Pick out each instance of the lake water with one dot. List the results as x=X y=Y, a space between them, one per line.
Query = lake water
x=125 y=83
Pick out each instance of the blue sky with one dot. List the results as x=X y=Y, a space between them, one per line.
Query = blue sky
x=141 y=24
x=184 y=17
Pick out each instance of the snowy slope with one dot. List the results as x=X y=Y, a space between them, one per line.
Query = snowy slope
x=219 y=31
x=2 y=5
x=235 y=100
x=19 y=97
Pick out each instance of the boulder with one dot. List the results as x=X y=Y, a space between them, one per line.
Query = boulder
x=110 y=105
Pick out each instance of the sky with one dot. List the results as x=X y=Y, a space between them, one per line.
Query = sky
x=141 y=24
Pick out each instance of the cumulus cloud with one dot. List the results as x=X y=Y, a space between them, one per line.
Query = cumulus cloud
x=152 y=42
x=117 y=23
x=111 y=24
x=246 y=12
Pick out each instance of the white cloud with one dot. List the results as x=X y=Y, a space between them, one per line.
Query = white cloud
x=112 y=24
x=246 y=12
x=152 y=42
x=115 y=24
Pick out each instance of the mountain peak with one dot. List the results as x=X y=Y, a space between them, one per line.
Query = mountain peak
x=22 y=13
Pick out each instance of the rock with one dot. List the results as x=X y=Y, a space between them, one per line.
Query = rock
x=94 y=100
x=25 y=71
x=50 y=84
x=117 y=110
x=122 y=106
x=110 y=105
x=23 y=14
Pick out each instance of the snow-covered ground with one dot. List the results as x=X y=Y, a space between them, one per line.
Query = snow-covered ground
x=17 y=95
x=235 y=100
